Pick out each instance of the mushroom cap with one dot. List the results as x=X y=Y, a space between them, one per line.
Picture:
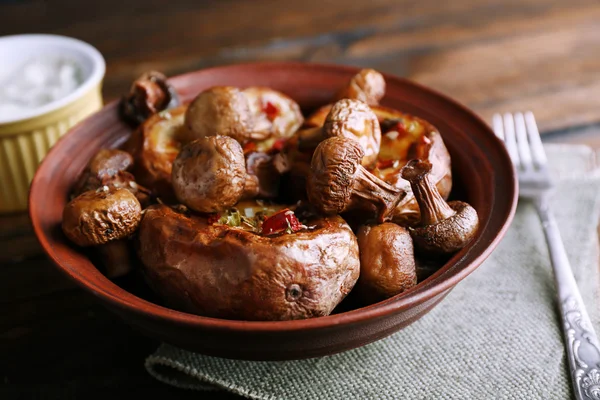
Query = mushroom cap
x=109 y=162
x=449 y=235
x=220 y=110
x=367 y=85
x=99 y=216
x=149 y=94
x=416 y=169
x=209 y=173
x=387 y=261
x=355 y=120
x=106 y=165
x=262 y=175
x=333 y=170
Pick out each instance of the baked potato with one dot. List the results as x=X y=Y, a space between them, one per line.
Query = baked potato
x=274 y=113
x=154 y=146
x=253 y=114
x=222 y=271
x=404 y=137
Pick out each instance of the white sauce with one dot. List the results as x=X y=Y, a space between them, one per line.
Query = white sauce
x=37 y=82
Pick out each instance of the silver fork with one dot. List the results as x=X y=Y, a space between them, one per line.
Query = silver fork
x=522 y=139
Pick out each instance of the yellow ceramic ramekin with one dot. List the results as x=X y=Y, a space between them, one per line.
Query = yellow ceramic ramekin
x=24 y=141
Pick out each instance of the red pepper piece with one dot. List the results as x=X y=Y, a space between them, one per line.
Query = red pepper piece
x=214 y=218
x=249 y=147
x=280 y=222
x=383 y=164
x=393 y=125
x=278 y=145
x=400 y=127
x=271 y=110
x=422 y=147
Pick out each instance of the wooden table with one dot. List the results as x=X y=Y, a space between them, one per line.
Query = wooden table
x=500 y=55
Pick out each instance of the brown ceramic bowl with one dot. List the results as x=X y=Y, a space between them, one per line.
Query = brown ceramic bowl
x=483 y=175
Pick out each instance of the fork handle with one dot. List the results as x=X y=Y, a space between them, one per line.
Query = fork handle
x=583 y=348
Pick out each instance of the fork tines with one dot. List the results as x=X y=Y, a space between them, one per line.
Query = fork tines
x=522 y=139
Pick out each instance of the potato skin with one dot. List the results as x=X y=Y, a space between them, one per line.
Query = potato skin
x=154 y=146
x=223 y=272
x=387 y=261
x=407 y=212
x=97 y=217
x=288 y=116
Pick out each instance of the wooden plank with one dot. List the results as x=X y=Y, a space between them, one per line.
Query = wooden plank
x=87 y=353
x=490 y=55
x=14 y=224
x=30 y=278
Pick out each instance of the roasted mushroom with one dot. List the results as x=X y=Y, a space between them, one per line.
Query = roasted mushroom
x=387 y=261
x=149 y=94
x=104 y=166
x=263 y=176
x=352 y=119
x=209 y=174
x=221 y=110
x=225 y=272
x=367 y=86
x=99 y=216
x=444 y=227
x=109 y=168
x=338 y=182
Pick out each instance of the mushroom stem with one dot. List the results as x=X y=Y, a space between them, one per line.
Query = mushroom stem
x=347 y=118
x=149 y=94
x=445 y=227
x=251 y=187
x=338 y=183
x=432 y=205
x=309 y=138
x=369 y=188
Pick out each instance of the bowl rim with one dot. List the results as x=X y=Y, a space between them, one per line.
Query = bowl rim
x=85 y=49
x=426 y=290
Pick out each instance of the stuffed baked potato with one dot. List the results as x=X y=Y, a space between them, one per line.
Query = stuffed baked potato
x=225 y=271
x=238 y=207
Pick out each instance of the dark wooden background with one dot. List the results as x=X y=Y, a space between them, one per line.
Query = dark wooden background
x=494 y=56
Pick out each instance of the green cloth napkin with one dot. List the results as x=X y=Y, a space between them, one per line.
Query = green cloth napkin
x=495 y=336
